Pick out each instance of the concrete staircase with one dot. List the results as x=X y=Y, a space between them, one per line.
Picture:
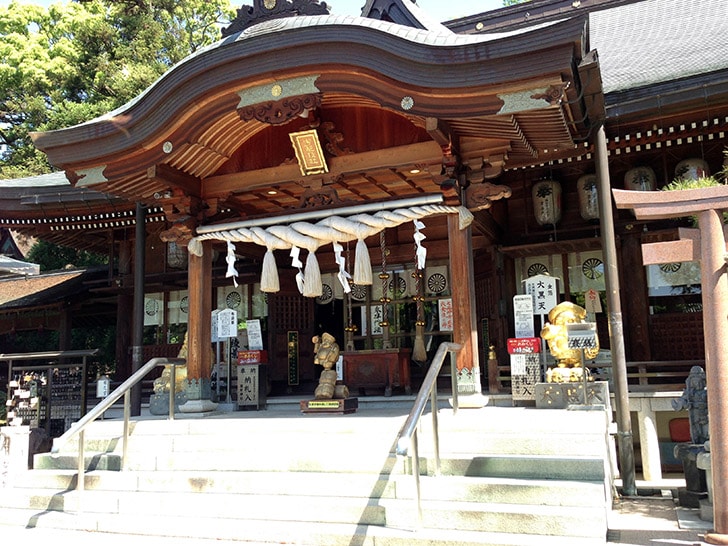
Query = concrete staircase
x=510 y=476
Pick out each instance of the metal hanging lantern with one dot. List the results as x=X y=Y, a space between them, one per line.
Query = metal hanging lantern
x=546 y=196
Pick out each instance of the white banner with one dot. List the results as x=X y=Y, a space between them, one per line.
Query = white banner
x=523 y=315
x=447 y=323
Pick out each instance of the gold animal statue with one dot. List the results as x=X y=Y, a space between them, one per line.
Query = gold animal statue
x=161 y=384
x=568 y=361
x=326 y=353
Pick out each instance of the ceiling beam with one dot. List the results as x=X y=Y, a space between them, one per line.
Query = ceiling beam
x=412 y=154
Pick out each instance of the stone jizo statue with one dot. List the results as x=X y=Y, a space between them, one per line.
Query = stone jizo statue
x=695 y=399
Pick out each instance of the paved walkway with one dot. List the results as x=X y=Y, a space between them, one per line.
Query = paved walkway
x=655 y=521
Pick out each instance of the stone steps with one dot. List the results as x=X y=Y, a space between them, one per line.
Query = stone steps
x=507 y=478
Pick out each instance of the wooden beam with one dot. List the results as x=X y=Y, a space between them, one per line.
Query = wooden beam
x=439 y=131
x=164 y=174
x=419 y=153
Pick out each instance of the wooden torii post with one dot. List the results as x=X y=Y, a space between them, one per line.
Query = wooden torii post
x=708 y=245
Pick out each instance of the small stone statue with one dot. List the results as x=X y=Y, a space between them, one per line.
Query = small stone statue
x=695 y=399
x=568 y=361
x=326 y=352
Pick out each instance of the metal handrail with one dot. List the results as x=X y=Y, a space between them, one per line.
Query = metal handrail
x=79 y=427
x=407 y=437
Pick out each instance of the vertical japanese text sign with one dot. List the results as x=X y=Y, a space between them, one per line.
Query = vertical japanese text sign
x=544 y=291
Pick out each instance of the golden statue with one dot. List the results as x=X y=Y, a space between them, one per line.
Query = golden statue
x=568 y=360
x=161 y=384
x=326 y=352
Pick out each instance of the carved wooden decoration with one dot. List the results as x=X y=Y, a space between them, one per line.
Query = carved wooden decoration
x=334 y=140
x=281 y=111
x=179 y=232
x=553 y=94
x=319 y=197
x=481 y=196
x=265 y=10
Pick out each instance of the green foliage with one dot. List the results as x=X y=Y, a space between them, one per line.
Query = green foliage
x=706 y=182
x=77 y=60
x=51 y=257
x=690 y=184
x=514 y=2
x=102 y=337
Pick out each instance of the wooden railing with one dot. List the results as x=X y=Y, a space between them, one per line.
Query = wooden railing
x=655 y=375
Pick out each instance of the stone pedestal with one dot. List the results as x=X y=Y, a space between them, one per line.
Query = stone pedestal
x=200 y=407
x=159 y=403
x=703 y=463
x=695 y=483
x=564 y=395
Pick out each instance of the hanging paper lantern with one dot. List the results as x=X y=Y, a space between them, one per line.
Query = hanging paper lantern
x=640 y=179
x=546 y=196
x=588 y=197
x=176 y=256
x=692 y=169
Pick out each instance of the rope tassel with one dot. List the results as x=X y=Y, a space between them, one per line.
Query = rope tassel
x=312 y=284
x=269 y=281
x=419 y=353
x=362 y=264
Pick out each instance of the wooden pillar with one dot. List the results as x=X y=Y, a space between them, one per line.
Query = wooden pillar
x=140 y=260
x=199 y=334
x=465 y=330
x=124 y=312
x=64 y=330
x=634 y=298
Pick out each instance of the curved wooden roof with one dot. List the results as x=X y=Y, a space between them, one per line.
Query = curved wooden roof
x=386 y=101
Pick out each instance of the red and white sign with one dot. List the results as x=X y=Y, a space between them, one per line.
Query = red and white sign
x=524 y=345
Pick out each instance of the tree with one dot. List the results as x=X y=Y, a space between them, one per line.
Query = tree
x=51 y=257
x=80 y=59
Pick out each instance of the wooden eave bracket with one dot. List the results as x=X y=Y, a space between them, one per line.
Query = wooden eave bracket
x=590 y=78
x=481 y=196
x=166 y=175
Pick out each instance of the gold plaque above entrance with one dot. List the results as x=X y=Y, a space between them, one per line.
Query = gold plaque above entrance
x=308 y=152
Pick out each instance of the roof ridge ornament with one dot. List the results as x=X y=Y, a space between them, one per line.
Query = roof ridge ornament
x=266 y=10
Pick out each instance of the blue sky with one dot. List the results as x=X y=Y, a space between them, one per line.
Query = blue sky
x=441 y=10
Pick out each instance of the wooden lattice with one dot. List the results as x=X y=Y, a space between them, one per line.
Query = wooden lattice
x=677 y=336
